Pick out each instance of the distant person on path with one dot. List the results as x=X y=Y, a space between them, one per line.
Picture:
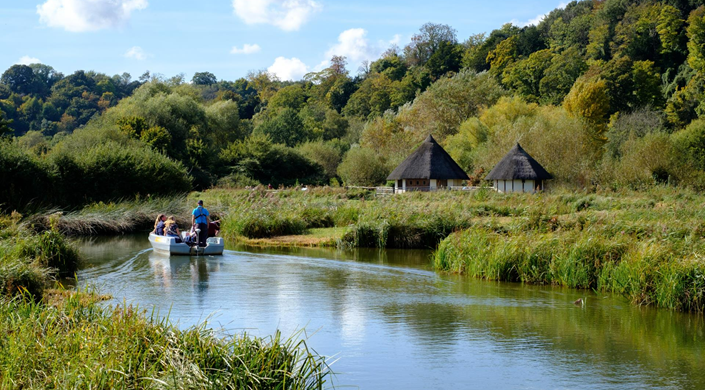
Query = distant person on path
x=269 y=186
x=199 y=218
x=172 y=229
x=159 y=225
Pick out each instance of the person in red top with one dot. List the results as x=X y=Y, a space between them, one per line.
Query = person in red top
x=213 y=228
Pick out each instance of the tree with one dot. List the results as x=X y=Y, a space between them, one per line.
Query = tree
x=5 y=128
x=285 y=128
x=323 y=153
x=427 y=41
x=132 y=125
x=157 y=137
x=445 y=59
x=20 y=79
x=292 y=96
x=696 y=39
x=670 y=29
x=525 y=76
x=204 y=78
x=362 y=167
x=502 y=55
x=588 y=99
x=647 y=85
x=560 y=76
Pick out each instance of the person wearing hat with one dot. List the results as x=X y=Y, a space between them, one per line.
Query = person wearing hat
x=199 y=219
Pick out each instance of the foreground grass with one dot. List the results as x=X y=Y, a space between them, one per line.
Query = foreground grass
x=79 y=344
x=66 y=340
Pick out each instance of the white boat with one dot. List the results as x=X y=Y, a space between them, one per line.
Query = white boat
x=167 y=244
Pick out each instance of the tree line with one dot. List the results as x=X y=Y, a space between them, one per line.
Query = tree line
x=604 y=92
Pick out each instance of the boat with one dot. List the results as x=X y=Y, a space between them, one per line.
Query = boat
x=168 y=244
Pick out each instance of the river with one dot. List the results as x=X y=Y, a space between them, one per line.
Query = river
x=388 y=321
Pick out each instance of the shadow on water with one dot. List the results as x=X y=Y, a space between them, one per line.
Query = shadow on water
x=390 y=319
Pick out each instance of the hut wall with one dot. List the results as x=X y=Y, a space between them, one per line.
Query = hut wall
x=433 y=184
x=510 y=186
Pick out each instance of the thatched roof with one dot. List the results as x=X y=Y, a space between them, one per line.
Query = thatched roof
x=428 y=161
x=517 y=164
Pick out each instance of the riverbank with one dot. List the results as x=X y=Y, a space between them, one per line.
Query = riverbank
x=66 y=339
x=645 y=245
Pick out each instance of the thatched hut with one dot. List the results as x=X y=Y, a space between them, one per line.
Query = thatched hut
x=518 y=172
x=428 y=168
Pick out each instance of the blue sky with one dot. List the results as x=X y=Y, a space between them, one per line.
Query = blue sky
x=231 y=37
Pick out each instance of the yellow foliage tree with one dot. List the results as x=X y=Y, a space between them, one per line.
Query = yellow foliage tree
x=589 y=99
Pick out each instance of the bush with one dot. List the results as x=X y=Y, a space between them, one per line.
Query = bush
x=362 y=167
x=111 y=171
x=26 y=180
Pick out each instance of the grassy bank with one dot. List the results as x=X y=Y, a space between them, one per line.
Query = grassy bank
x=64 y=339
x=408 y=221
x=645 y=245
x=84 y=345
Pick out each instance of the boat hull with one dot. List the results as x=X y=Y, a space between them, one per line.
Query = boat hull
x=165 y=244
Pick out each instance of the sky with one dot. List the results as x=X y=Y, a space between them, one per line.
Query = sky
x=229 y=38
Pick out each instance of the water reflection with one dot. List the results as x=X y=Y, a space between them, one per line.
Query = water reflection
x=394 y=323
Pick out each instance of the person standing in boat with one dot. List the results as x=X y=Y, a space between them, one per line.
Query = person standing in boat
x=199 y=218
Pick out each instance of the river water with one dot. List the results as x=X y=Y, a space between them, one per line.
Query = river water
x=390 y=322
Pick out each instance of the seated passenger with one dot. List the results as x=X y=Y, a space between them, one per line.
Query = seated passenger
x=213 y=228
x=191 y=238
x=172 y=229
x=159 y=225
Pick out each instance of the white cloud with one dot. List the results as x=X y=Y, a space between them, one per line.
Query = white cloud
x=356 y=48
x=27 y=60
x=288 y=15
x=87 y=15
x=246 y=49
x=535 y=21
x=288 y=68
x=353 y=45
x=137 y=53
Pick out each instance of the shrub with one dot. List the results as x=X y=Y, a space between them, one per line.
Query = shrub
x=362 y=167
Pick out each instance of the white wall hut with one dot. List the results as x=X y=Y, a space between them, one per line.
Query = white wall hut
x=518 y=172
x=428 y=168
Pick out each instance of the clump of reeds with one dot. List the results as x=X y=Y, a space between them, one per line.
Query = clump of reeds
x=29 y=261
x=114 y=217
x=646 y=271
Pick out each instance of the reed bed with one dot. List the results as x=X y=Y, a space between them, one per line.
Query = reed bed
x=122 y=217
x=80 y=344
x=646 y=247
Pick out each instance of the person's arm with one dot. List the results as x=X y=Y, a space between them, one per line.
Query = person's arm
x=193 y=219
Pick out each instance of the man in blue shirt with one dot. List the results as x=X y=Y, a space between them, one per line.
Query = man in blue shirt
x=199 y=218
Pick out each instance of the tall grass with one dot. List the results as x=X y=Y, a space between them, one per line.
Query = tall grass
x=649 y=264
x=80 y=344
x=28 y=261
x=121 y=217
